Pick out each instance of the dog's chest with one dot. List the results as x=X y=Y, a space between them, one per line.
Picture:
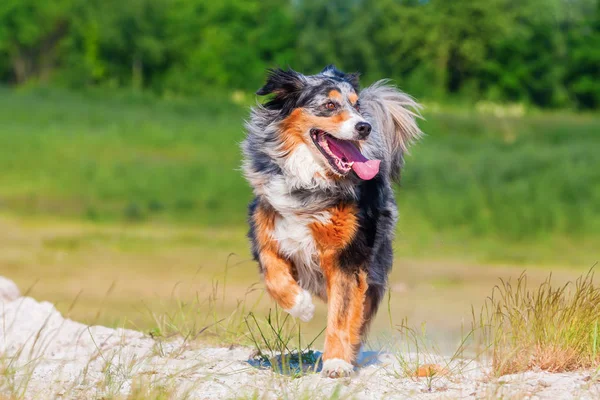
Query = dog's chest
x=295 y=241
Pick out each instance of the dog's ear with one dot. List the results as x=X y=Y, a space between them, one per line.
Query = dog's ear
x=282 y=83
x=286 y=86
x=352 y=78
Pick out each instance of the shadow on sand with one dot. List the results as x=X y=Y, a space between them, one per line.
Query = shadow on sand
x=307 y=362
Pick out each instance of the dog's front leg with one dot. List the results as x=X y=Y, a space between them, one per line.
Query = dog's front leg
x=346 y=292
x=277 y=270
x=283 y=288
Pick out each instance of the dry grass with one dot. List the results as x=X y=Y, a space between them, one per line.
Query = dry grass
x=173 y=281
x=552 y=328
x=142 y=390
x=419 y=357
x=159 y=278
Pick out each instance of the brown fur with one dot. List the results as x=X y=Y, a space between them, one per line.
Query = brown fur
x=300 y=121
x=335 y=95
x=353 y=97
x=292 y=134
x=338 y=260
x=277 y=271
x=346 y=290
x=336 y=234
x=346 y=297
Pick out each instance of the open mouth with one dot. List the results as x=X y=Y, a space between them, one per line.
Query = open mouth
x=344 y=155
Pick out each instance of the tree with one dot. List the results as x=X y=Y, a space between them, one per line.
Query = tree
x=543 y=52
x=228 y=43
x=31 y=33
x=582 y=28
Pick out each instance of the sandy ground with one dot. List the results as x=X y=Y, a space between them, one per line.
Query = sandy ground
x=45 y=356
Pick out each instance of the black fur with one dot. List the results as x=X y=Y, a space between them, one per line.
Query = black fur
x=298 y=199
x=351 y=78
x=286 y=87
x=371 y=248
x=252 y=231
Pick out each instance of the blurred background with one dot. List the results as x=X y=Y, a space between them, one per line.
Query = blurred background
x=121 y=198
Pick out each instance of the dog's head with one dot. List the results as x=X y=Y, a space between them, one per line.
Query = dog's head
x=320 y=113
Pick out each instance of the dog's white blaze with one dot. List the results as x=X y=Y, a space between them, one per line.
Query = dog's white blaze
x=295 y=242
x=348 y=129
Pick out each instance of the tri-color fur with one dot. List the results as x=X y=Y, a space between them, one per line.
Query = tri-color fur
x=315 y=226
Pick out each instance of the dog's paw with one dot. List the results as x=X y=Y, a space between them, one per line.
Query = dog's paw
x=336 y=368
x=303 y=308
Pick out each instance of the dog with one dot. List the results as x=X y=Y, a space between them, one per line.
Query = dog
x=321 y=156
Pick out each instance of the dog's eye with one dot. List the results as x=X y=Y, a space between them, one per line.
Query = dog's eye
x=330 y=105
x=357 y=106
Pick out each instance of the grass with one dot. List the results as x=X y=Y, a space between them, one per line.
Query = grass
x=125 y=210
x=553 y=328
x=122 y=372
x=146 y=391
x=165 y=278
x=549 y=327
x=120 y=157
x=207 y=320
x=511 y=178
x=518 y=189
x=418 y=356
x=278 y=343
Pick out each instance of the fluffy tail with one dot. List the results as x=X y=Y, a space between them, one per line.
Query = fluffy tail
x=393 y=114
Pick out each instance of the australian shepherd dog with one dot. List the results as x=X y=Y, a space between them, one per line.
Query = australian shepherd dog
x=321 y=156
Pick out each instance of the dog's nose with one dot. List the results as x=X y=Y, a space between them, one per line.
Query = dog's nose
x=363 y=129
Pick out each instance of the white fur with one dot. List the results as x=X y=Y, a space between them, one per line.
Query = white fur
x=256 y=179
x=278 y=195
x=295 y=241
x=304 y=309
x=336 y=368
x=348 y=128
x=303 y=168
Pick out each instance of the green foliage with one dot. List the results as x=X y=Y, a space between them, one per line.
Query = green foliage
x=583 y=55
x=509 y=177
x=132 y=157
x=226 y=44
x=30 y=34
x=541 y=52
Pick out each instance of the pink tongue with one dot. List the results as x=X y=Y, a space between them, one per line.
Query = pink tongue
x=365 y=169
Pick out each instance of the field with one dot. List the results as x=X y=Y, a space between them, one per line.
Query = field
x=125 y=267
x=121 y=206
